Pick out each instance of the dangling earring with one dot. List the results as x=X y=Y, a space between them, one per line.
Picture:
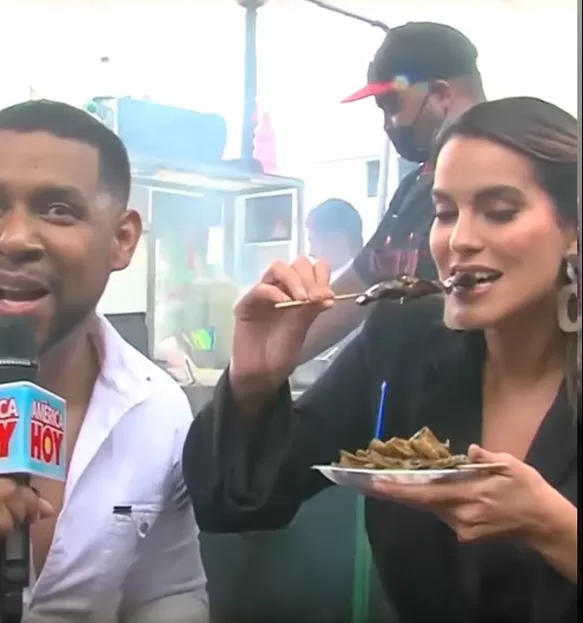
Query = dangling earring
x=567 y=301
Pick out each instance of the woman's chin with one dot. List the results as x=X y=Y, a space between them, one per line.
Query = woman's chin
x=464 y=320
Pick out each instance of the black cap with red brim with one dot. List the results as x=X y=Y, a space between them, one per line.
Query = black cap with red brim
x=417 y=52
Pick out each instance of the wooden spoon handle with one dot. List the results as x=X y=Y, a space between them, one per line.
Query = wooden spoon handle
x=339 y=297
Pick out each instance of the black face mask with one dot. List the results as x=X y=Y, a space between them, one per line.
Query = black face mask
x=405 y=141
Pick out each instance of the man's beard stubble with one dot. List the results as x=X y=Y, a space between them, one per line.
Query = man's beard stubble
x=67 y=321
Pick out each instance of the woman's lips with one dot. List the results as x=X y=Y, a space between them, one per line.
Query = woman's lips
x=471 y=280
x=479 y=289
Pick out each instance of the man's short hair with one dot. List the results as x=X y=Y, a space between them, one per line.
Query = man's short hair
x=336 y=216
x=67 y=122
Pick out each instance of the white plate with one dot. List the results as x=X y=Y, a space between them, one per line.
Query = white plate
x=364 y=479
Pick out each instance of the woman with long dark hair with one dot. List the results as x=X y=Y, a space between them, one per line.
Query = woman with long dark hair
x=492 y=368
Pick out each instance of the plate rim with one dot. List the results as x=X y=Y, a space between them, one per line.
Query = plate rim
x=435 y=472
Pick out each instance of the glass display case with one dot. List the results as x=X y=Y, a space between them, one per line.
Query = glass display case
x=208 y=233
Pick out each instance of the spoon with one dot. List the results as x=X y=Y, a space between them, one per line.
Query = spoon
x=403 y=287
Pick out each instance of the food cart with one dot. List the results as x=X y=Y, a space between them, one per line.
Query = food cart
x=210 y=227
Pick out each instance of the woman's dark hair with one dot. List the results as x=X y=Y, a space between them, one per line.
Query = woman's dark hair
x=548 y=137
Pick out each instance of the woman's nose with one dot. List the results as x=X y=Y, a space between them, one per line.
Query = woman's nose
x=465 y=236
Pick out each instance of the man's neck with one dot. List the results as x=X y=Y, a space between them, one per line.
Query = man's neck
x=71 y=368
x=461 y=104
x=343 y=257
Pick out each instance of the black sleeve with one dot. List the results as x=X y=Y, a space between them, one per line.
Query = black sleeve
x=364 y=263
x=238 y=483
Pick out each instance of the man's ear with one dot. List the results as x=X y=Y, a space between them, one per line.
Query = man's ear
x=126 y=237
x=444 y=93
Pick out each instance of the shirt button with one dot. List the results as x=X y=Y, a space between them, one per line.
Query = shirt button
x=143 y=529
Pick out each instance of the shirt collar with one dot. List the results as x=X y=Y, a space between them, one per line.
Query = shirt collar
x=122 y=368
x=123 y=383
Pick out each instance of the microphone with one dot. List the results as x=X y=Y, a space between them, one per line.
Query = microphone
x=32 y=431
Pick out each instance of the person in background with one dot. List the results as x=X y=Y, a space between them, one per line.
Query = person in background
x=334 y=232
x=335 y=236
x=423 y=74
x=118 y=541
x=492 y=368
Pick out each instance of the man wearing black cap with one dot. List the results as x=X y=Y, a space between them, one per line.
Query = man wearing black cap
x=423 y=74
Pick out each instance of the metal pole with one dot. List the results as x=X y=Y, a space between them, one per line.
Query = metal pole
x=250 y=77
x=360 y=18
x=250 y=87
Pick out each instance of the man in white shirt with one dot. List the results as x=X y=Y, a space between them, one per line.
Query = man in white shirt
x=119 y=540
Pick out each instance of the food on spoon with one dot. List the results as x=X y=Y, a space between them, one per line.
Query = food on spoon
x=407 y=288
x=403 y=287
x=421 y=451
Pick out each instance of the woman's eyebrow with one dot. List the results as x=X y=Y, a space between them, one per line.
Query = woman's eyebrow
x=488 y=193
x=499 y=191
x=440 y=195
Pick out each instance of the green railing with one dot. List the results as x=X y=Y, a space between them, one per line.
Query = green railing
x=362 y=568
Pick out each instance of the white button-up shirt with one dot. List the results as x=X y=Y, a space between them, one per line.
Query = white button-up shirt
x=125 y=545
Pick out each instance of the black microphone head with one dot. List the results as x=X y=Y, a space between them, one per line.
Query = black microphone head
x=17 y=342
